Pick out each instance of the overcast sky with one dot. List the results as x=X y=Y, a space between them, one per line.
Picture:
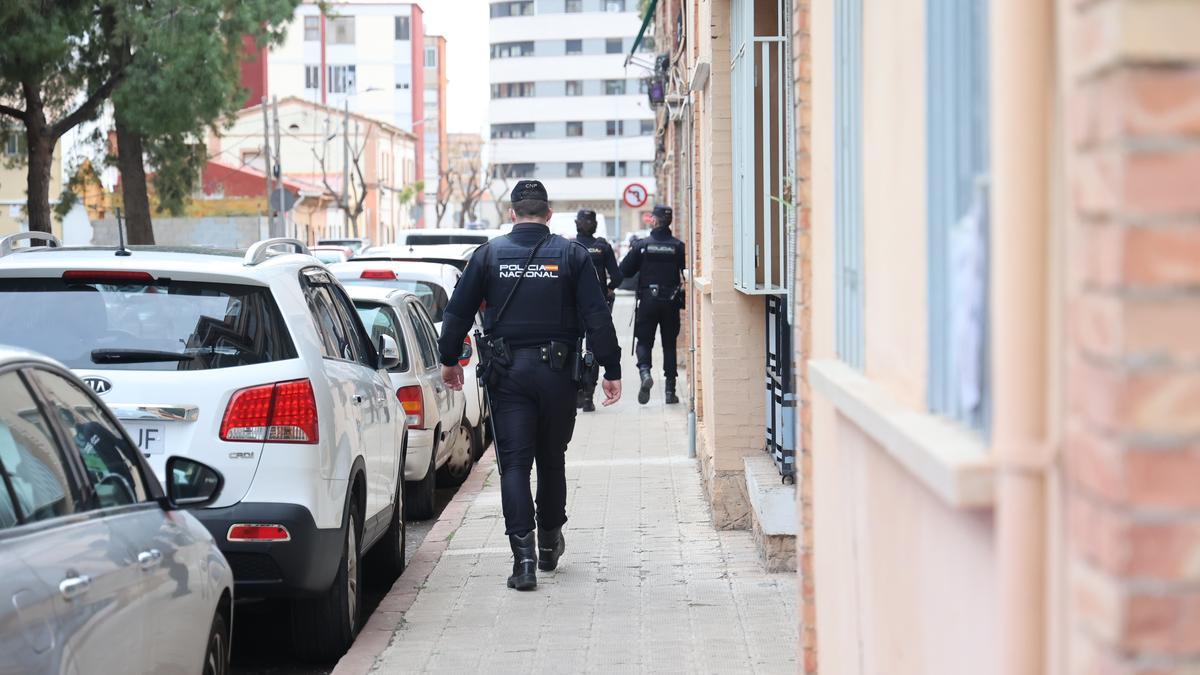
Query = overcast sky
x=464 y=23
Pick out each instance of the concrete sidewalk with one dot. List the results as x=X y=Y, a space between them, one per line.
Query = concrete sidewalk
x=646 y=584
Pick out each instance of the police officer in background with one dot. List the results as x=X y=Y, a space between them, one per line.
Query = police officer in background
x=660 y=258
x=610 y=278
x=542 y=296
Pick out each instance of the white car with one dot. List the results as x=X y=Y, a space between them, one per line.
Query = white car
x=445 y=235
x=432 y=283
x=101 y=571
x=257 y=365
x=438 y=434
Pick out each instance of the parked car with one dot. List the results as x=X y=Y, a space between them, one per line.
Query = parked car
x=447 y=254
x=445 y=235
x=438 y=432
x=332 y=254
x=355 y=244
x=101 y=571
x=432 y=283
x=258 y=365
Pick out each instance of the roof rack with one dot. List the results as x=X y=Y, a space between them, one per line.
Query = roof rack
x=260 y=251
x=6 y=244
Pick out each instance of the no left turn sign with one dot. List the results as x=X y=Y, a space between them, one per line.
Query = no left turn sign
x=635 y=195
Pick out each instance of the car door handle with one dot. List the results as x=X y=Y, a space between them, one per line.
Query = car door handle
x=357 y=399
x=73 y=587
x=149 y=559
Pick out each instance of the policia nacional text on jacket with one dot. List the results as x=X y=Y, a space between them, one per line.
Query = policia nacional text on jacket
x=559 y=298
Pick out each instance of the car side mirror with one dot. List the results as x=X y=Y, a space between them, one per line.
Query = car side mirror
x=389 y=352
x=191 y=484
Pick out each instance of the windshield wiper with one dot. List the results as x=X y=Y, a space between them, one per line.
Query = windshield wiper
x=137 y=356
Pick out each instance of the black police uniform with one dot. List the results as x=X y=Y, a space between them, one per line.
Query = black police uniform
x=659 y=260
x=532 y=404
x=609 y=272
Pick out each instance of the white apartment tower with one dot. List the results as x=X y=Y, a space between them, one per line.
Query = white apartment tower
x=564 y=108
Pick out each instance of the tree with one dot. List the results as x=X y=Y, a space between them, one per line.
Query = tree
x=183 y=65
x=469 y=182
x=499 y=178
x=351 y=199
x=55 y=72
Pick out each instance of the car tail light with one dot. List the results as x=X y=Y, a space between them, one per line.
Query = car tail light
x=464 y=359
x=257 y=532
x=412 y=399
x=124 y=276
x=284 y=412
x=377 y=274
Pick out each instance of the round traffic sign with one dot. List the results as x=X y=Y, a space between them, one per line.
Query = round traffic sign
x=635 y=195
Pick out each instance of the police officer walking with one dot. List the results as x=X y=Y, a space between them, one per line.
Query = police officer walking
x=660 y=260
x=542 y=296
x=609 y=272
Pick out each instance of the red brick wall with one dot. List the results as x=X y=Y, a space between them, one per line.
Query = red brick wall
x=1133 y=378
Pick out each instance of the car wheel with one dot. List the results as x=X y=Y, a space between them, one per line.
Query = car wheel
x=388 y=555
x=216 y=654
x=456 y=469
x=419 y=494
x=478 y=440
x=323 y=628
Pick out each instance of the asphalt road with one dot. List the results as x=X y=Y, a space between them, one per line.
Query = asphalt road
x=261 y=640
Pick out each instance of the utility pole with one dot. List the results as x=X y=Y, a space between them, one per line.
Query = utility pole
x=345 y=164
x=281 y=223
x=267 y=165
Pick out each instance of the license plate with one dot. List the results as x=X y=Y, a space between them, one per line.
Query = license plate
x=151 y=437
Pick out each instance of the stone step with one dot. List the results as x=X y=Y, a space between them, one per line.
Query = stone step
x=773 y=505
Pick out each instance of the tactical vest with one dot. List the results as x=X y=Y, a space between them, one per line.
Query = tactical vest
x=544 y=305
x=596 y=250
x=659 y=262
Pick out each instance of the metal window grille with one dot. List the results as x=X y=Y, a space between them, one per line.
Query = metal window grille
x=781 y=398
x=848 y=211
x=958 y=161
x=763 y=150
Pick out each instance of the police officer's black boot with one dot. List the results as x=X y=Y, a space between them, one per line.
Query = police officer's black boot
x=585 y=399
x=670 y=391
x=524 y=576
x=550 y=548
x=647 y=383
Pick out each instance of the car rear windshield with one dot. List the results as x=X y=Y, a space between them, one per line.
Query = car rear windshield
x=436 y=239
x=159 y=325
x=431 y=295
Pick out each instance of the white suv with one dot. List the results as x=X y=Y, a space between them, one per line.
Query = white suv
x=257 y=365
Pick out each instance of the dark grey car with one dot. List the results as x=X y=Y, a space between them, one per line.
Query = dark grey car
x=100 y=572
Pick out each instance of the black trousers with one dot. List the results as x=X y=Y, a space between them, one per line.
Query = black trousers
x=662 y=315
x=533 y=410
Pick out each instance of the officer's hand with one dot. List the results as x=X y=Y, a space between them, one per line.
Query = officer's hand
x=612 y=392
x=453 y=377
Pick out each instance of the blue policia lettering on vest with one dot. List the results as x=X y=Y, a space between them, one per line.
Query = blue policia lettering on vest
x=533 y=271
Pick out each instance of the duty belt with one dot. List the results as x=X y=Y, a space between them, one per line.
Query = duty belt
x=661 y=291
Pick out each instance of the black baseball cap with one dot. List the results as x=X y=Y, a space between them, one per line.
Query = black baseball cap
x=529 y=190
x=585 y=216
x=664 y=213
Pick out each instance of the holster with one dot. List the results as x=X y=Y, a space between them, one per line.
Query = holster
x=557 y=354
x=495 y=359
x=585 y=371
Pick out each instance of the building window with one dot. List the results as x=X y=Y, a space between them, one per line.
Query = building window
x=515 y=170
x=431 y=59
x=574 y=47
x=513 y=130
x=646 y=128
x=647 y=168
x=573 y=6
x=848 y=170
x=614 y=127
x=574 y=128
x=503 y=9
x=574 y=88
x=574 y=169
x=504 y=50
x=312 y=28
x=614 y=87
x=613 y=45
x=14 y=144
x=614 y=169
x=512 y=90
x=643 y=86
x=342 y=30
x=403 y=28
x=957 y=172
x=341 y=79
x=614 y=5
x=312 y=77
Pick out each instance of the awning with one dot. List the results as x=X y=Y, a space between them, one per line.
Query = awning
x=645 y=22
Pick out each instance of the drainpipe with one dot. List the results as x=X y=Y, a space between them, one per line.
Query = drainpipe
x=1022 y=82
x=691 y=263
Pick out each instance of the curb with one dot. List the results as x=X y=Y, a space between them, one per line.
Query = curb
x=376 y=635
